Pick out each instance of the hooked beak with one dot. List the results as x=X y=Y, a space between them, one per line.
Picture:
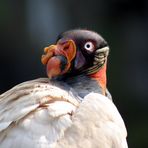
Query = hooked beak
x=58 y=58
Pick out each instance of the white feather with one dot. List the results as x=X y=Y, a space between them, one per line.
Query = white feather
x=96 y=124
x=39 y=114
x=35 y=114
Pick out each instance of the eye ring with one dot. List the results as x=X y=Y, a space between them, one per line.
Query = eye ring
x=89 y=46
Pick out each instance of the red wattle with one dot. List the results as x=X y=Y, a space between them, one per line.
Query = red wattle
x=100 y=77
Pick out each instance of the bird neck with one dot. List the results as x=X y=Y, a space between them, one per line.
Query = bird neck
x=84 y=84
x=100 y=77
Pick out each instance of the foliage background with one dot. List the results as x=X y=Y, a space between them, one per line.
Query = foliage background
x=28 y=26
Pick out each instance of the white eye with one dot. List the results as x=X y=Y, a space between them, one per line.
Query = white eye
x=89 y=46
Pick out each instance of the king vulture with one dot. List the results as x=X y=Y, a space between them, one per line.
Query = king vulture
x=72 y=108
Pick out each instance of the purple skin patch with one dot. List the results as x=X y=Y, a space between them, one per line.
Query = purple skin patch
x=79 y=60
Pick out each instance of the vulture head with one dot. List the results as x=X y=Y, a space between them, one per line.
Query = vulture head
x=77 y=52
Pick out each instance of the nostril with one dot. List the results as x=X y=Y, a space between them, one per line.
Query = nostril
x=66 y=47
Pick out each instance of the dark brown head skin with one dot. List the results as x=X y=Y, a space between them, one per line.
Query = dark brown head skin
x=89 y=58
x=84 y=58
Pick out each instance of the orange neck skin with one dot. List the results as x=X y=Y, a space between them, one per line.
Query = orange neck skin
x=100 y=77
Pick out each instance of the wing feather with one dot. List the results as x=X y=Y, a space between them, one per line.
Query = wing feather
x=35 y=114
x=96 y=124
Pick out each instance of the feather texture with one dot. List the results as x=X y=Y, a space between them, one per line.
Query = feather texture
x=35 y=114
x=45 y=114
x=96 y=124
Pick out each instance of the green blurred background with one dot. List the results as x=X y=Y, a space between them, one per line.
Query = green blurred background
x=28 y=26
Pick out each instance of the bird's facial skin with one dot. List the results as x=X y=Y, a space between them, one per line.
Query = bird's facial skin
x=84 y=55
x=78 y=52
x=58 y=57
x=100 y=77
x=61 y=57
